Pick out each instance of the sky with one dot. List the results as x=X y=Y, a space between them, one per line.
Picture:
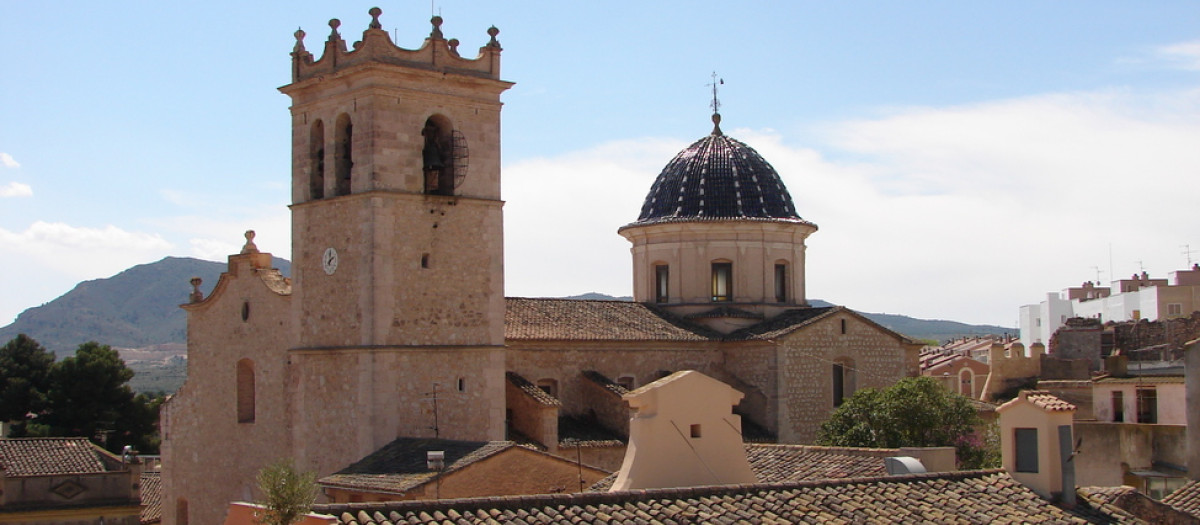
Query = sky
x=961 y=159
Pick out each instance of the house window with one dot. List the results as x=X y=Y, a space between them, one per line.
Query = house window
x=626 y=381
x=1026 y=443
x=843 y=327
x=781 y=283
x=1118 y=406
x=661 y=291
x=343 y=158
x=843 y=381
x=245 y=311
x=316 y=161
x=548 y=386
x=245 y=391
x=722 y=281
x=695 y=430
x=462 y=384
x=1174 y=309
x=181 y=511
x=1147 y=405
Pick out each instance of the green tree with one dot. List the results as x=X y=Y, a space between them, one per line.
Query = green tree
x=915 y=412
x=90 y=396
x=24 y=381
x=287 y=494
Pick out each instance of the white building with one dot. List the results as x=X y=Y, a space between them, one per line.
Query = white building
x=1138 y=297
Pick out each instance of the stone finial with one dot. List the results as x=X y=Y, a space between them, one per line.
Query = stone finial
x=492 y=32
x=716 y=118
x=250 y=246
x=436 y=34
x=453 y=43
x=196 y=295
x=299 y=34
x=333 y=26
x=375 y=12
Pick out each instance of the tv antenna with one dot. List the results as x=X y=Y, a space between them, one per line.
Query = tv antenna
x=1187 y=252
x=433 y=395
x=1098 y=272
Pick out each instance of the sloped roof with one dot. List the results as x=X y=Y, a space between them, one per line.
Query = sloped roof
x=1041 y=399
x=151 y=497
x=605 y=383
x=1186 y=499
x=1141 y=380
x=52 y=456
x=401 y=465
x=957 y=497
x=589 y=320
x=532 y=390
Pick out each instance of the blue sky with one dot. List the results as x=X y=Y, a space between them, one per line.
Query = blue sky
x=961 y=159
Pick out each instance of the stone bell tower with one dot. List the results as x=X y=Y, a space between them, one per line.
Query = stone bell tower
x=397 y=243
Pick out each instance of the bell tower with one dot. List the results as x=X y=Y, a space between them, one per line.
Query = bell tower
x=397 y=240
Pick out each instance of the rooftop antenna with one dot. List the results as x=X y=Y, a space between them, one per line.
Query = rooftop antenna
x=1141 y=267
x=1187 y=252
x=433 y=394
x=1098 y=271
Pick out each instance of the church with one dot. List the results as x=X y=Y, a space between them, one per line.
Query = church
x=395 y=324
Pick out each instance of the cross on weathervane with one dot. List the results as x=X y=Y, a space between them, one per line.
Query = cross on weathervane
x=716 y=104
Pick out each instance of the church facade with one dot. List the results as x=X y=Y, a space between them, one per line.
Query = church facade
x=394 y=322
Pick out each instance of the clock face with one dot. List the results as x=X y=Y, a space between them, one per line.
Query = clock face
x=330 y=261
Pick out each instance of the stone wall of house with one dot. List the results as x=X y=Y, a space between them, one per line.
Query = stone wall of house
x=349 y=402
x=1011 y=367
x=527 y=416
x=605 y=407
x=519 y=471
x=752 y=368
x=210 y=457
x=644 y=361
x=1078 y=339
x=606 y=456
x=1055 y=368
x=1174 y=333
x=806 y=359
x=1108 y=450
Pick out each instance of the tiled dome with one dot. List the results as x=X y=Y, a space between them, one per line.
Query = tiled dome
x=717 y=177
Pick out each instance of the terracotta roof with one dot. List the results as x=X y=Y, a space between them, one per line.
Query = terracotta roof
x=51 y=456
x=784 y=323
x=773 y=463
x=957 y=497
x=1041 y=399
x=778 y=463
x=1186 y=498
x=401 y=465
x=579 y=432
x=532 y=390
x=573 y=319
x=605 y=382
x=151 y=497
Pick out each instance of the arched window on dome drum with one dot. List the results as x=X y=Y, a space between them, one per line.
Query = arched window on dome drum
x=343 y=154
x=316 y=161
x=722 y=281
x=781 y=282
x=662 y=274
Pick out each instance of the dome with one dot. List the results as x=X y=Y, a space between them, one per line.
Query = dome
x=718 y=177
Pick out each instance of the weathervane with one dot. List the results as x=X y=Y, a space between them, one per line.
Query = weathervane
x=716 y=104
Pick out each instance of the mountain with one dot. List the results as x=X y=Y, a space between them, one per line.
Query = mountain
x=137 y=311
x=136 y=308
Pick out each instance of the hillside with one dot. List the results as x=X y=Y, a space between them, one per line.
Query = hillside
x=136 y=308
x=138 y=312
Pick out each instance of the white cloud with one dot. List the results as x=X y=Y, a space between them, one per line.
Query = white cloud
x=16 y=189
x=7 y=161
x=962 y=213
x=48 y=259
x=1184 y=55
